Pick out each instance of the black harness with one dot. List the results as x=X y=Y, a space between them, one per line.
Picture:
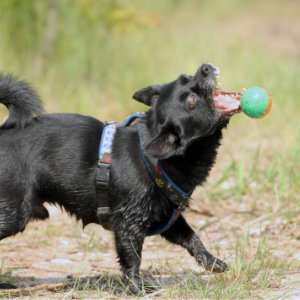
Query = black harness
x=160 y=178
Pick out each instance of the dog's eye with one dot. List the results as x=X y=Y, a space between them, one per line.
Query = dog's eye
x=192 y=100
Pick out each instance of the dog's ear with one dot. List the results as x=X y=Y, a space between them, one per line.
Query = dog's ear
x=162 y=146
x=148 y=95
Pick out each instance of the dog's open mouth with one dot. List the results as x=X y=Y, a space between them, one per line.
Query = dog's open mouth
x=226 y=102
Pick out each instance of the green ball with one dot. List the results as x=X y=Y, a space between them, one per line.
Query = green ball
x=256 y=102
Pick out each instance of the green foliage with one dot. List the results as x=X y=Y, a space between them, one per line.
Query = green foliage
x=84 y=54
x=74 y=46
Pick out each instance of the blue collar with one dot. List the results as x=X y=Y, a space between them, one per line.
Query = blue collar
x=169 y=190
x=164 y=183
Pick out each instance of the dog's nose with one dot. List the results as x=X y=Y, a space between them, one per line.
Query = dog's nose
x=206 y=69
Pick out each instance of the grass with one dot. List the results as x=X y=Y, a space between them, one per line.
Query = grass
x=120 y=64
x=278 y=178
x=94 y=68
x=251 y=273
x=254 y=270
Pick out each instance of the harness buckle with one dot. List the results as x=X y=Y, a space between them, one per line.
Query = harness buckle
x=107 y=123
x=103 y=175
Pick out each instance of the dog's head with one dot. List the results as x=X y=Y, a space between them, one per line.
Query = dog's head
x=183 y=111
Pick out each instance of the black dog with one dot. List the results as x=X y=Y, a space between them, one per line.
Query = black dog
x=53 y=158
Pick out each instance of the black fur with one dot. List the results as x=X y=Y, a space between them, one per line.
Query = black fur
x=53 y=158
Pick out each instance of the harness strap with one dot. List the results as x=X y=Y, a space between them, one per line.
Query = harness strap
x=159 y=177
x=103 y=174
x=176 y=213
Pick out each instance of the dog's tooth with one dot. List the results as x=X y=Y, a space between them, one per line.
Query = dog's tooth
x=220 y=83
x=217 y=70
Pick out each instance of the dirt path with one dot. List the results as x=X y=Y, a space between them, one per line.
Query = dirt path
x=57 y=251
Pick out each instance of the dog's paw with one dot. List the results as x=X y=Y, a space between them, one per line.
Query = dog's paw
x=133 y=289
x=210 y=263
x=134 y=286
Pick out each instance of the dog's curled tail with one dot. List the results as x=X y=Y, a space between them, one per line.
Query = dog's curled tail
x=21 y=100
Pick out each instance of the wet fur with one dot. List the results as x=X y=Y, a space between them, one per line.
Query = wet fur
x=53 y=158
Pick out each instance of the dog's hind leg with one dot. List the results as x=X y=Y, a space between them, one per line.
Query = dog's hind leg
x=14 y=216
x=182 y=234
x=14 y=213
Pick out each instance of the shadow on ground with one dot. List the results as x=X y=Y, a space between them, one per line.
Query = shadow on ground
x=106 y=282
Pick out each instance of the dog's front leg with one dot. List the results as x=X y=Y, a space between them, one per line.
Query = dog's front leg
x=129 y=249
x=182 y=234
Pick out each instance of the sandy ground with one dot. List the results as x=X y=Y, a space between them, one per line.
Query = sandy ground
x=55 y=251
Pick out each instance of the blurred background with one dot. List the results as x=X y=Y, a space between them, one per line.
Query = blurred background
x=90 y=56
